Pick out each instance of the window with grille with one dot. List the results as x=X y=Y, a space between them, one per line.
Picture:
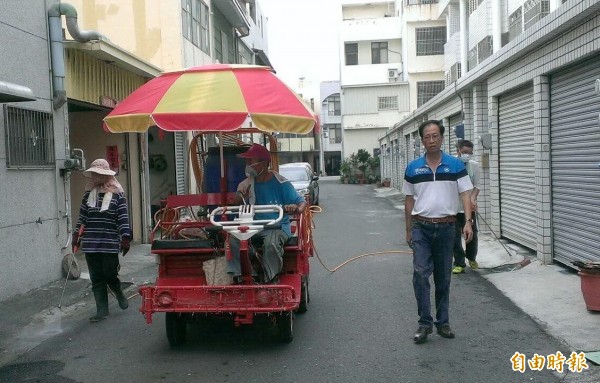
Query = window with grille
x=426 y=90
x=419 y=2
x=194 y=23
x=379 y=53
x=472 y=58
x=473 y=4
x=387 y=103
x=430 y=41
x=485 y=49
x=351 y=50
x=515 y=24
x=29 y=138
x=332 y=105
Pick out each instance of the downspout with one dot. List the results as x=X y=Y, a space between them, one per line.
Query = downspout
x=57 y=67
x=55 y=11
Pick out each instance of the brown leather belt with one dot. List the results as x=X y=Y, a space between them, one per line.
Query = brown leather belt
x=447 y=219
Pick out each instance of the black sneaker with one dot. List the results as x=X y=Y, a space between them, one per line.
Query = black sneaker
x=421 y=334
x=445 y=332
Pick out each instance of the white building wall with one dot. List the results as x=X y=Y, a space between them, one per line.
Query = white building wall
x=258 y=31
x=480 y=23
x=33 y=228
x=512 y=5
x=568 y=36
x=355 y=139
x=421 y=64
x=329 y=88
x=357 y=9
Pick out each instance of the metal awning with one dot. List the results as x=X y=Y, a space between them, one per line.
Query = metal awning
x=10 y=92
x=108 y=52
x=263 y=59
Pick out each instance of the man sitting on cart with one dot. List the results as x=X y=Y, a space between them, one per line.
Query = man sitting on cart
x=265 y=187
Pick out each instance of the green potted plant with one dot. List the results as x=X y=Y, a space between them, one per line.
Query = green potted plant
x=345 y=169
x=362 y=162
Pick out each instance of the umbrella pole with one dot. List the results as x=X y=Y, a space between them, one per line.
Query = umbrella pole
x=223 y=183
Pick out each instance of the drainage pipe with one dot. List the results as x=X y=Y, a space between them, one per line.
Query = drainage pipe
x=55 y=11
x=57 y=67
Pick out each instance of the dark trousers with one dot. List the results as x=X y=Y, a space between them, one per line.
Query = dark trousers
x=104 y=270
x=432 y=254
x=471 y=249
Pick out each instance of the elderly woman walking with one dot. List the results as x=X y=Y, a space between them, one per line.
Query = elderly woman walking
x=105 y=220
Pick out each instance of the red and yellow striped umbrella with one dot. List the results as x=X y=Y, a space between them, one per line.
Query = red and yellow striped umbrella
x=215 y=97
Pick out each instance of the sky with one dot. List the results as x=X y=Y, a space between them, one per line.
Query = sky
x=303 y=40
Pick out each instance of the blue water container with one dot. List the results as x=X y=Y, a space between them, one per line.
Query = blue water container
x=234 y=168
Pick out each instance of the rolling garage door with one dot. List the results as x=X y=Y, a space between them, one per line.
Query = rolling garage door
x=575 y=159
x=517 y=167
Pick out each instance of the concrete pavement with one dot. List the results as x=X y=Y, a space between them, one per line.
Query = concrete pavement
x=29 y=319
x=550 y=294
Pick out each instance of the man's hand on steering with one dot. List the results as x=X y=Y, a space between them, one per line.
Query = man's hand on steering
x=291 y=209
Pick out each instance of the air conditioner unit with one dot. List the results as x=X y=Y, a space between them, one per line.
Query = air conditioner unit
x=393 y=73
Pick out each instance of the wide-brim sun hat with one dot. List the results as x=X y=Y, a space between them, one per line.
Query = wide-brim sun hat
x=99 y=166
x=257 y=151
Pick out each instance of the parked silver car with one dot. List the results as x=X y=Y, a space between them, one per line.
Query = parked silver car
x=304 y=180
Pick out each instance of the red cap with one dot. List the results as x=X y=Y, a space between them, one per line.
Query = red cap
x=257 y=151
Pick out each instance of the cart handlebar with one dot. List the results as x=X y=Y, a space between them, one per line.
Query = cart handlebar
x=245 y=226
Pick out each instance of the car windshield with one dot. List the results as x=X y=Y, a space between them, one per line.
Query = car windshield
x=294 y=174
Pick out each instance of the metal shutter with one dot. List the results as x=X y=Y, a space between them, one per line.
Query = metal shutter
x=575 y=160
x=180 y=161
x=517 y=167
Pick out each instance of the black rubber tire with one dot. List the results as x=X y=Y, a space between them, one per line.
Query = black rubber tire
x=285 y=326
x=304 y=296
x=176 y=326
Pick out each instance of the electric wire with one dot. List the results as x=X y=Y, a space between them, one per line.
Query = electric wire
x=309 y=226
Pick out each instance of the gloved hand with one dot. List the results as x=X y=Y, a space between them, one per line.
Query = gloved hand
x=125 y=245
x=75 y=241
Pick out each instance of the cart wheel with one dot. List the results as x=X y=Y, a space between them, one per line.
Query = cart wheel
x=176 y=329
x=285 y=325
x=304 y=296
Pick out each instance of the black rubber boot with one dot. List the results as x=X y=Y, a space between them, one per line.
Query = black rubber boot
x=101 y=297
x=116 y=289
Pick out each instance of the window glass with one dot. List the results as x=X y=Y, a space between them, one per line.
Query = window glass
x=294 y=174
x=195 y=23
x=351 y=53
x=379 y=53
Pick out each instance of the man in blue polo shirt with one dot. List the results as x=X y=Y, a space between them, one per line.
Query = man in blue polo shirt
x=266 y=187
x=434 y=186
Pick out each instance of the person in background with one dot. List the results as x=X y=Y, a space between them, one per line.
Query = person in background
x=465 y=153
x=265 y=187
x=105 y=220
x=432 y=185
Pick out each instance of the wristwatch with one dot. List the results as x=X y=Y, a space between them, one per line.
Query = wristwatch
x=470 y=220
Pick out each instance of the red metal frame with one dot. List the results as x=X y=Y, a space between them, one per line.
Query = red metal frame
x=181 y=285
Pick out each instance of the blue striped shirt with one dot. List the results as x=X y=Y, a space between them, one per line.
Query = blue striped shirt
x=436 y=194
x=104 y=230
